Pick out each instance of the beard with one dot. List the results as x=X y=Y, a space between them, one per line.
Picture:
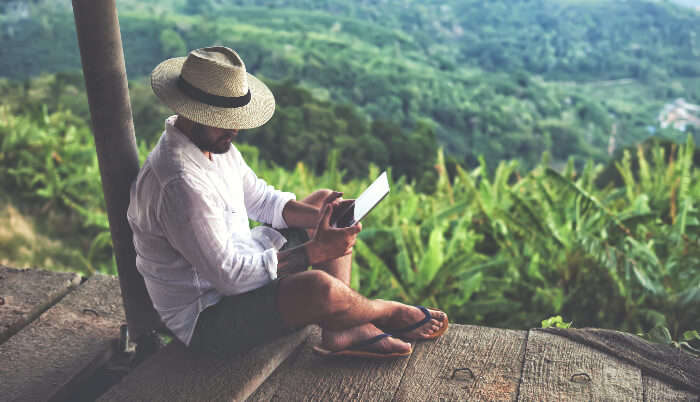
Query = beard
x=220 y=145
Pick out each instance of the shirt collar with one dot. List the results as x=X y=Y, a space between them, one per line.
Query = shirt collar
x=182 y=142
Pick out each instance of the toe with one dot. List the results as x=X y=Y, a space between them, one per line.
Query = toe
x=437 y=315
x=404 y=347
x=398 y=346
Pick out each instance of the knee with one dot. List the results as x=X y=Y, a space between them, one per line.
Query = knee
x=328 y=292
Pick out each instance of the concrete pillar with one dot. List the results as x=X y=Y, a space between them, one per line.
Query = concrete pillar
x=102 y=57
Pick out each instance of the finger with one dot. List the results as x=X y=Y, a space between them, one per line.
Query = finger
x=349 y=230
x=333 y=196
x=326 y=215
x=355 y=229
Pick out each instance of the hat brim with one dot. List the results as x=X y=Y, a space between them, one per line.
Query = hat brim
x=256 y=113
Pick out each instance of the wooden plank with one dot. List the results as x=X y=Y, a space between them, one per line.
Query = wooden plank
x=26 y=293
x=45 y=358
x=467 y=363
x=664 y=362
x=176 y=374
x=307 y=376
x=558 y=369
x=657 y=390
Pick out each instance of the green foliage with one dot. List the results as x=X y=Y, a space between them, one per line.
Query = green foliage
x=506 y=250
x=492 y=248
x=556 y=321
x=307 y=129
x=661 y=334
x=51 y=170
x=172 y=43
x=467 y=72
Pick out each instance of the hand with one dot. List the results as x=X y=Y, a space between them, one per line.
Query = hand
x=343 y=213
x=329 y=242
x=330 y=198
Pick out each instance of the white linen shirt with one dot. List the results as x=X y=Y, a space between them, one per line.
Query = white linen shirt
x=193 y=241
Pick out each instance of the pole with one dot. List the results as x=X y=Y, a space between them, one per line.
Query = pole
x=102 y=57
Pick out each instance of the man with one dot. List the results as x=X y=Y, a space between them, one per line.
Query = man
x=219 y=286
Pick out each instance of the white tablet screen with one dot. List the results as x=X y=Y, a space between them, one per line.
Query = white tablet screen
x=371 y=197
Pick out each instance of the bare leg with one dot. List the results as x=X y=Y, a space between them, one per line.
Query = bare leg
x=342 y=325
x=315 y=297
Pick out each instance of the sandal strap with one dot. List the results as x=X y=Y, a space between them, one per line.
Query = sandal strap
x=419 y=324
x=369 y=341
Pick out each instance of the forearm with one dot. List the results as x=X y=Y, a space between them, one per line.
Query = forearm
x=300 y=215
x=298 y=259
x=293 y=260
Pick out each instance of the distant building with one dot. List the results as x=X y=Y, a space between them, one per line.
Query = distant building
x=680 y=114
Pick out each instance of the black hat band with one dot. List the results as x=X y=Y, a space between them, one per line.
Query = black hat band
x=212 y=100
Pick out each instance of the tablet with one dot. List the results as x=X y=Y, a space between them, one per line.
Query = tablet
x=356 y=211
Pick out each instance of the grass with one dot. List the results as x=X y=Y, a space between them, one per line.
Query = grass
x=30 y=241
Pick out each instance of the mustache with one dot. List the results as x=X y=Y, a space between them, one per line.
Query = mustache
x=228 y=136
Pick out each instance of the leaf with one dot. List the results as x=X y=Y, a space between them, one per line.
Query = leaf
x=403 y=260
x=644 y=279
x=525 y=217
x=556 y=321
x=446 y=213
x=659 y=334
x=654 y=317
x=433 y=257
x=469 y=286
x=570 y=186
x=686 y=347
x=689 y=296
x=644 y=175
x=373 y=269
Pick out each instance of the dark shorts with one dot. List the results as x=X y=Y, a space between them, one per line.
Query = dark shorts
x=238 y=323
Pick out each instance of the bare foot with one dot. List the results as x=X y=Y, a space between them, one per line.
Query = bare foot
x=339 y=340
x=404 y=316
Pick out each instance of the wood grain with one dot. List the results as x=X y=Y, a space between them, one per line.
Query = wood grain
x=467 y=363
x=307 y=376
x=176 y=374
x=657 y=390
x=558 y=369
x=73 y=337
x=26 y=293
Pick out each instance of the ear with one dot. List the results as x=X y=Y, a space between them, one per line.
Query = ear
x=184 y=124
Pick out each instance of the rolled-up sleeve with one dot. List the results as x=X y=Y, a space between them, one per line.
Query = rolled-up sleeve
x=263 y=202
x=195 y=226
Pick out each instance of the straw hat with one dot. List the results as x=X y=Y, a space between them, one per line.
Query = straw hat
x=211 y=86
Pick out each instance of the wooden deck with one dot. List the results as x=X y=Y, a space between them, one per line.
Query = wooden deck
x=57 y=330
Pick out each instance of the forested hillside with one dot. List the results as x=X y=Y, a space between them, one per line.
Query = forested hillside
x=485 y=77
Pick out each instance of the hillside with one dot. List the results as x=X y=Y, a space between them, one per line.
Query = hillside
x=481 y=75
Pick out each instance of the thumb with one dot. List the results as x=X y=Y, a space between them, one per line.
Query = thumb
x=354 y=229
x=333 y=196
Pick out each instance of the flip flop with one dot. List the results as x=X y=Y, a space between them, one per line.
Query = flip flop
x=397 y=332
x=354 y=351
